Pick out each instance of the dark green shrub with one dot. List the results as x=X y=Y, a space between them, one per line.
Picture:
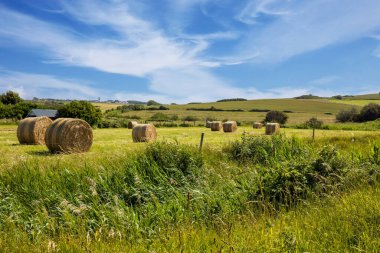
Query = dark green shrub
x=369 y=112
x=276 y=116
x=347 y=115
x=82 y=110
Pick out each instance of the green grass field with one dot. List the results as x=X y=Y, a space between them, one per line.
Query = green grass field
x=124 y=196
x=300 y=110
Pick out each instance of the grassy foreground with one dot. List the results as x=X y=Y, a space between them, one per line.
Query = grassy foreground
x=250 y=194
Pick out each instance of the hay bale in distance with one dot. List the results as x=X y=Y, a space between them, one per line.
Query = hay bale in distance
x=229 y=126
x=208 y=124
x=132 y=124
x=272 y=128
x=144 y=133
x=32 y=130
x=216 y=125
x=257 y=125
x=68 y=135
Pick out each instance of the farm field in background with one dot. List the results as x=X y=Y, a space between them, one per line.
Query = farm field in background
x=355 y=102
x=118 y=142
x=298 y=110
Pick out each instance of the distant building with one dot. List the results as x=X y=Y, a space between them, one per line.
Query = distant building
x=53 y=114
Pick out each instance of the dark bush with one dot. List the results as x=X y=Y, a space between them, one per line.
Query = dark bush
x=347 y=115
x=276 y=116
x=82 y=110
x=369 y=112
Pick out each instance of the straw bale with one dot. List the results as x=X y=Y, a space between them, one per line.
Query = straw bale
x=229 y=126
x=68 y=135
x=272 y=128
x=144 y=133
x=32 y=130
x=216 y=125
x=132 y=124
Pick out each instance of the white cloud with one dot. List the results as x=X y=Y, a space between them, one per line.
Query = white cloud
x=310 y=26
x=30 y=85
x=254 y=8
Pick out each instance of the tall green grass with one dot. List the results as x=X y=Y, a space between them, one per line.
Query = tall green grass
x=142 y=201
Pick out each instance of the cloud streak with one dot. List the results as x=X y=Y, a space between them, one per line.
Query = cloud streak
x=30 y=85
x=308 y=26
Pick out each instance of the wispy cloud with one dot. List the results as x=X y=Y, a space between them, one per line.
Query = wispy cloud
x=311 y=25
x=30 y=85
x=253 y=9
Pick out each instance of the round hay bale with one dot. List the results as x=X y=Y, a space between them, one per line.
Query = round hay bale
x=216 y=125
x=272 y=128
x=144 y=133
x=132 y=124
x=229 y=126
x=208 y=124
x=257 y=125
x=68 y=135
x=32 y=130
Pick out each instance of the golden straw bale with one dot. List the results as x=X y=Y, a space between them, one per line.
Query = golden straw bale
x=144 y=133
x=229 y=126
x=216 y=125
x=132 y=124
x=68 y=135
x=32 y=130
x=257 y=125
x=272 y=128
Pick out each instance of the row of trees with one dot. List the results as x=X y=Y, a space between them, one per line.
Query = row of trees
x=13 y=107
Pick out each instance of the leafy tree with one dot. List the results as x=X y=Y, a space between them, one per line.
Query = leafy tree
x=276 y=116
x=82 y=110
x=369 y=112
x=17 y=111
x=10 y=98
x=314 y=123
x=347 y=115
x=152 y=102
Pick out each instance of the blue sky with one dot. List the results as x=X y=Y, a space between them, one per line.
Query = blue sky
x=189 y=50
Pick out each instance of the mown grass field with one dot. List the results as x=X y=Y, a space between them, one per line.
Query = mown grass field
x=356 y=102
x=128 y=197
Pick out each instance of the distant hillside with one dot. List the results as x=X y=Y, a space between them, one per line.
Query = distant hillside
x=375 y=96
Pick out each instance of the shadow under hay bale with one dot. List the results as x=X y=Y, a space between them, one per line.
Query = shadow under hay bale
x=144 y=133
x=68 y=135
x=132 y=124
x=229 y=126
x=257 y=125
x=272 y=128
x=216 y=125
x=31 y=131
